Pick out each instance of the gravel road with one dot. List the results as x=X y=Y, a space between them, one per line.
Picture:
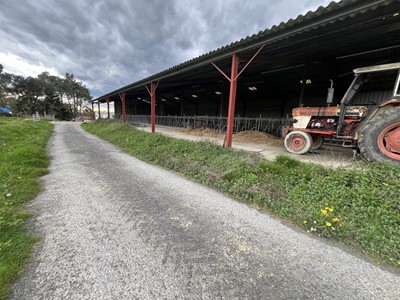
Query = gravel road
x=114 y=227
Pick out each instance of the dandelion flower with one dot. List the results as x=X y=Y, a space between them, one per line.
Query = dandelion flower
x=330 y=209
x=335 y=219
x=324 y=211
x=328 y=224
x=305 y=222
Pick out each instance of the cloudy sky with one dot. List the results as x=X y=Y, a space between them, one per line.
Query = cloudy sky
x=111 y=43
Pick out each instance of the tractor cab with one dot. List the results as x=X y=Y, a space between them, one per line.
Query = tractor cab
x=374 y=91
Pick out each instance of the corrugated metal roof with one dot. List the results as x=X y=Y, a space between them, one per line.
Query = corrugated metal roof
x=323 y=16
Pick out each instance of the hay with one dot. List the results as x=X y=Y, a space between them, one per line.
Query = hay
x=249 y=137
x=206 y=132
x=257 y=137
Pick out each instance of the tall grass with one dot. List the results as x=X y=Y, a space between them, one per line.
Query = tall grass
x=359 y=206
x=22 y=160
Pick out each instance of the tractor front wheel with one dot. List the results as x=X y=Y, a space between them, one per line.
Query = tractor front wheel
x=298 y=142
x=380 y=139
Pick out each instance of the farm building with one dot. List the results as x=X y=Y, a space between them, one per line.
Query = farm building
x=266 y=75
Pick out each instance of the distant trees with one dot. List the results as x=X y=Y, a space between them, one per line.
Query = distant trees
x=75 y=92
x=5 y=80
x=63 y=97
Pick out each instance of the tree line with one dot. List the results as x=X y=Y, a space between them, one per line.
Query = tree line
x=66 y=98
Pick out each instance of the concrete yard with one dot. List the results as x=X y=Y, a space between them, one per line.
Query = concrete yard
x=328 y=155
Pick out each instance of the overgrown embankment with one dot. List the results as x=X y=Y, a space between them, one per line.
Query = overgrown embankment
x=357 y=206
x=22 y=160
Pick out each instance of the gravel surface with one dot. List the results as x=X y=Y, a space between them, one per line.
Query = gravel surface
x=114 y=227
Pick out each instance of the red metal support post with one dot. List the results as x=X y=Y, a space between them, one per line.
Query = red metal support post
x=232 y=91
x=98 y=107
x=122 y=96
x=108 y=108
x=232 y=100
x=152 y=92
x=153 y=107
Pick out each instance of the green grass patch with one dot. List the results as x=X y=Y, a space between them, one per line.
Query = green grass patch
x=359 y=206
x=22 y=160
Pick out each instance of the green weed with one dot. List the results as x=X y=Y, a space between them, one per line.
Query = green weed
x=359 y=206
x=22 y=160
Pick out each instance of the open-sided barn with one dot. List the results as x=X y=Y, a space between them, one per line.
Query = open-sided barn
x=267 y=74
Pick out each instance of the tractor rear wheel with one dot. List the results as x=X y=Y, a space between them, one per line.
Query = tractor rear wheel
x=317 y=141
x=298 y=142
x=380 y=139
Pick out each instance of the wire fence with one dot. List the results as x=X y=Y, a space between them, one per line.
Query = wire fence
x=268 y=125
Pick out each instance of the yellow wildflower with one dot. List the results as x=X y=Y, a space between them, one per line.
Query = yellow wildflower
x=305 y=221
x=335 y=219
x=328 y=224
x=324 y=211
x=330 y=209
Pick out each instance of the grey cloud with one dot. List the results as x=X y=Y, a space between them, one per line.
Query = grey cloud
x=108 y=43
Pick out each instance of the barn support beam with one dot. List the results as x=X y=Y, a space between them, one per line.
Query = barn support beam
x=232 y=100
x=303 y=84
x=182 y=104
x=108 y=108
x=152 y=92
x=122 y=97
x=93 y=115
x=232 y=92
x=98 y=109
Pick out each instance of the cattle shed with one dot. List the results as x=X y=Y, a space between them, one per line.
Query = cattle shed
x=267 y=74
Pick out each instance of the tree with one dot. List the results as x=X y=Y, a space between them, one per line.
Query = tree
x=52 y=92
x=30 y=95
x=76 y=93
x=63 y=97
x=5 y=82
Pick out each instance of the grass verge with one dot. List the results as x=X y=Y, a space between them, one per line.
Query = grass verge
x=22 y=160
x=357 y=206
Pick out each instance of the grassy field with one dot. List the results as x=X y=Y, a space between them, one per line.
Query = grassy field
x=359 y=207
x=22 y=160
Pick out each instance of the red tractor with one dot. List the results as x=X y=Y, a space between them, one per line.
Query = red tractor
x=372 y=129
